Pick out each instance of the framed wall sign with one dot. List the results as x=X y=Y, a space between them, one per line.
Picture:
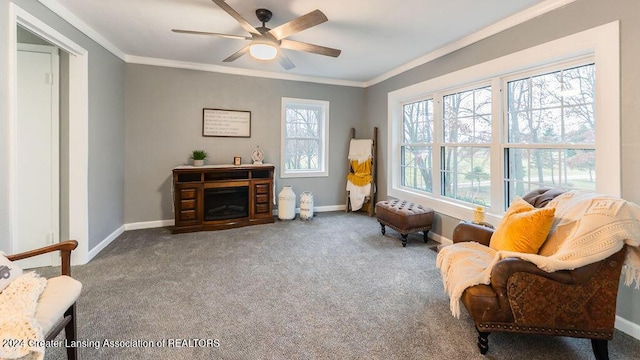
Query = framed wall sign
x=226 y=123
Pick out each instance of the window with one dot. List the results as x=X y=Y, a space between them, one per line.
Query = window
x=551 y=131
x=544 y=116
x=417 y=145
x=466 y=149
x=305 y=129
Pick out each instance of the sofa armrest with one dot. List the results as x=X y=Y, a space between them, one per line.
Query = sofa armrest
x=64 y=247
x=519 y=284
x=506 y=267
x=466 y=231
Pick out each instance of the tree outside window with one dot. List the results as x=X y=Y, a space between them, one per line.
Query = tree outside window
x=304 y=135
x=466 y=150
x=416 y=148
x=551 y=131
x=549 y=141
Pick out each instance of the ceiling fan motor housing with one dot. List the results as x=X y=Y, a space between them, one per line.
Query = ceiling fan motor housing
x=264 y=15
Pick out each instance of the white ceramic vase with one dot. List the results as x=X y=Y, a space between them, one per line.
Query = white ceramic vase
x=198 y=162
x=306 y=205
x=286 y=203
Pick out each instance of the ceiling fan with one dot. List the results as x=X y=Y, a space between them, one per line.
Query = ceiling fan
x=266 y=43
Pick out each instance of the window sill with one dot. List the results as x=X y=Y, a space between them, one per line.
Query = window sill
x=443 y=206
x=315 y=174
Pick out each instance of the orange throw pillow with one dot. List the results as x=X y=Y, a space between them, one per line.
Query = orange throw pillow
x=523 y=228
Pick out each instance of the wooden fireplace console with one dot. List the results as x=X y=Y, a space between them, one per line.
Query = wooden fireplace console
x=195 y=189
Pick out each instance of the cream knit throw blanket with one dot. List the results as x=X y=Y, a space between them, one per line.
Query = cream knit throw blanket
x=588 y=227
x=18 y=303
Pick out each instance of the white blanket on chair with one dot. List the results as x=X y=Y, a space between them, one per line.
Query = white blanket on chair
x=591 y=226
x=18 y=303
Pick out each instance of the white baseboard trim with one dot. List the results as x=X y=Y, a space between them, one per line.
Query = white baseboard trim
x=319 y=209
x=439 y=238
x=628 y=327
x=103 y=244
x=131 y=226
x=148 y=224
x=171 y=222
x=164 y=223
x=327 y=208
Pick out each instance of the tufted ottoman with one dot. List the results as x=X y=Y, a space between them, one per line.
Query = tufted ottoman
x=404 y=217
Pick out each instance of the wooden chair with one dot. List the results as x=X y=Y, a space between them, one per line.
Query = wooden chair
x=370 y=200
x=57 y=305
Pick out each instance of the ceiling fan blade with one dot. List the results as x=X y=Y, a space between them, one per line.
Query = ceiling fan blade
x=316 y=49
x=211 y=34
x=284 y=60
x=296 y=25
x=237 y=54
x=234 y=14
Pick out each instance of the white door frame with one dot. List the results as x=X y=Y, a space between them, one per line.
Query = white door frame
x=78 y=127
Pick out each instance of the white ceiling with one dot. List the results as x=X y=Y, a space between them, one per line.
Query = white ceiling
x=375 y=36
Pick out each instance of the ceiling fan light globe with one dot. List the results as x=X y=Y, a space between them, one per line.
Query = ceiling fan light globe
x=263 y=51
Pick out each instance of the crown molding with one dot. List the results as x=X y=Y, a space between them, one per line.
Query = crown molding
x=504 y=24
x=76 y=22
x=525 y=15
x=83 y=27
x=238 y=71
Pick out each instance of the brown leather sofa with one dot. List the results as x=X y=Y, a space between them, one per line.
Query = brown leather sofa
x=521 y=298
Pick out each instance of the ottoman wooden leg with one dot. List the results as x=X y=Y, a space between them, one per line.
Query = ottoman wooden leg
x=424 y=236
x=404 y=240
x=382 y=229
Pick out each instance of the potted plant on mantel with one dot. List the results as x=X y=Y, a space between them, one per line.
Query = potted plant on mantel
x=198 y=157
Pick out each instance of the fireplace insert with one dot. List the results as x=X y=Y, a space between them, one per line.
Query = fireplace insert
x=226 y=203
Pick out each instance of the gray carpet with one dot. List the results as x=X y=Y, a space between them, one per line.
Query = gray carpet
x=329 y=288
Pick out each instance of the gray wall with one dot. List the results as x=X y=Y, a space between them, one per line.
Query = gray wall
x=106 y=127
x=578 y=16
x=164 y=124
x=106 y=144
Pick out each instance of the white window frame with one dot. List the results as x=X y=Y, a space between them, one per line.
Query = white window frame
x=602 y=44
x=323 y=156
x=506 y=144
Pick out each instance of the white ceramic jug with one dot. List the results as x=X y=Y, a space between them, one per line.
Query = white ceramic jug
x=286 y=203
x=306 y=205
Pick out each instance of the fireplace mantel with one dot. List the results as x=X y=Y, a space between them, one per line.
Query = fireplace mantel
x=215 y=197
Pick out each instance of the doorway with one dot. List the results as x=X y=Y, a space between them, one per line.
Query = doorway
x=36 y=153
x=76 y=102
